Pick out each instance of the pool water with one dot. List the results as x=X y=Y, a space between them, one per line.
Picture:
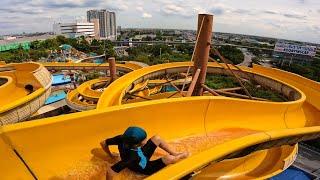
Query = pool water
x=169 y=89
x=98 y=60
x=59 y=79
x=56 y=96
x=291 y=173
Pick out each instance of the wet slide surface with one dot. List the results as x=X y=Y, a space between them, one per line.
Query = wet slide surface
x=96 y=167
x=68 y=146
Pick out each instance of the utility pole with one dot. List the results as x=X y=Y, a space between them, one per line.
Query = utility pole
x=202 y=49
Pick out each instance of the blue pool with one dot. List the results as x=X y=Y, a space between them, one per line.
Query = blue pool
x=98 y=60
x=60 y=79
x=169 y=88
x=292 y=173
x=55 y=96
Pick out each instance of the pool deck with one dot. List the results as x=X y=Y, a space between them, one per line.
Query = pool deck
x=308 y=160
x=51 y=107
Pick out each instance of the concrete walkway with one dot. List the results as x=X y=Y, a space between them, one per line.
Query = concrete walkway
x=308 y=160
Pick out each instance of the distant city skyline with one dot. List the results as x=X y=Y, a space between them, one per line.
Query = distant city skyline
x=286 y=19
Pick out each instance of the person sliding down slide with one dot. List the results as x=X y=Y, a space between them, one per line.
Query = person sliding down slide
x=135 y=152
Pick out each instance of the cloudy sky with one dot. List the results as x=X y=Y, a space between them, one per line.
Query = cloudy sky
x=289 y=19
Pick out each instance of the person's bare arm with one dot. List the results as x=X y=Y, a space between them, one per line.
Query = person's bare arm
x=106 y=149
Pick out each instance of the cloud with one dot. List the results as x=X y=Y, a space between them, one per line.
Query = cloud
x=294 y=16
x=27 y=11
x=217 y=10
x=177 y=10
x=139 y=8
x=65 y=4
x=316 y=28
x=116 y=5
x=146 y=15
x=7 y=25
x=269 y=12
x=244 y=11
x=276 y=25
x=172 y=9
x=274 y=18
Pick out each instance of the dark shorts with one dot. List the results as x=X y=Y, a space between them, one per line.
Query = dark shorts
x=152 y=166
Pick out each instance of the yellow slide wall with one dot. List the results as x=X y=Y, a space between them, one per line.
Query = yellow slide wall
x=65 y=146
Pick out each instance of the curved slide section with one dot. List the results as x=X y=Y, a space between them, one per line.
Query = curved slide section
x=16 y=102
x=126 y=66
x=228 y=137
x=123 y=87
x=86 y=96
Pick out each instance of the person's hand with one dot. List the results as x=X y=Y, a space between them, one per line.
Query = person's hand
x=114 y=155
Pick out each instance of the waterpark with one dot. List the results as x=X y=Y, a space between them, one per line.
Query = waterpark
x=51 y=125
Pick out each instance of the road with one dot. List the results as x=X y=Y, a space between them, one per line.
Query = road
x=247 y=57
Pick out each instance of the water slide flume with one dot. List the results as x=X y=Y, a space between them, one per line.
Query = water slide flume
x=227 y=137
x=16 y=102
x=242 y=113
x=67 y=146
x=125 y=66
x=86 y=96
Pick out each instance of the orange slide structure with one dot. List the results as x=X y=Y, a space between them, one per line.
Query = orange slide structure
x=227 y=137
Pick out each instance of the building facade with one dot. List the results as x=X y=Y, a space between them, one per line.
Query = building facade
x=293 y=53
x=74 y=30
x=107 y=23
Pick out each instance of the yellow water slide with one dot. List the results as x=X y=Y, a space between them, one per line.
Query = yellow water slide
x=16 y=102
x=86 y=96
x=227 y=137
x=125 y=66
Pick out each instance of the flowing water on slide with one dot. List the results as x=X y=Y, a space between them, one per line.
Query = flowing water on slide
x=96 y=167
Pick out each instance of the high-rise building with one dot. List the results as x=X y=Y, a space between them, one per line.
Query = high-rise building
x=96 y=28
x=118 y=30
x=107 y=22
x=74 y=30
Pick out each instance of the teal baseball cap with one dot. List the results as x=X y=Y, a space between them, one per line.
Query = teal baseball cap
x=135 y=134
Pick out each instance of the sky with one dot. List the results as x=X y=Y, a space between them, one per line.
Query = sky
x=287 y=19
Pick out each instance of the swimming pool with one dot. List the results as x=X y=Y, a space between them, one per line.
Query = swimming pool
x=56 y=96
x=291 y=173
x=59 y=79
x=98 y=60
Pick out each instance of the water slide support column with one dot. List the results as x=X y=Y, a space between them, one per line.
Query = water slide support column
x=112 y=68
x=202 y=49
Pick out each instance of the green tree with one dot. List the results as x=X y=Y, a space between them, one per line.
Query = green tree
x=109 y=51
x=50 y=44
x=185 y=48
x=83 y=45
x=37 y=54
x=62 y=40
x=155 y=51
x=229 y=52
x=35 y=44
